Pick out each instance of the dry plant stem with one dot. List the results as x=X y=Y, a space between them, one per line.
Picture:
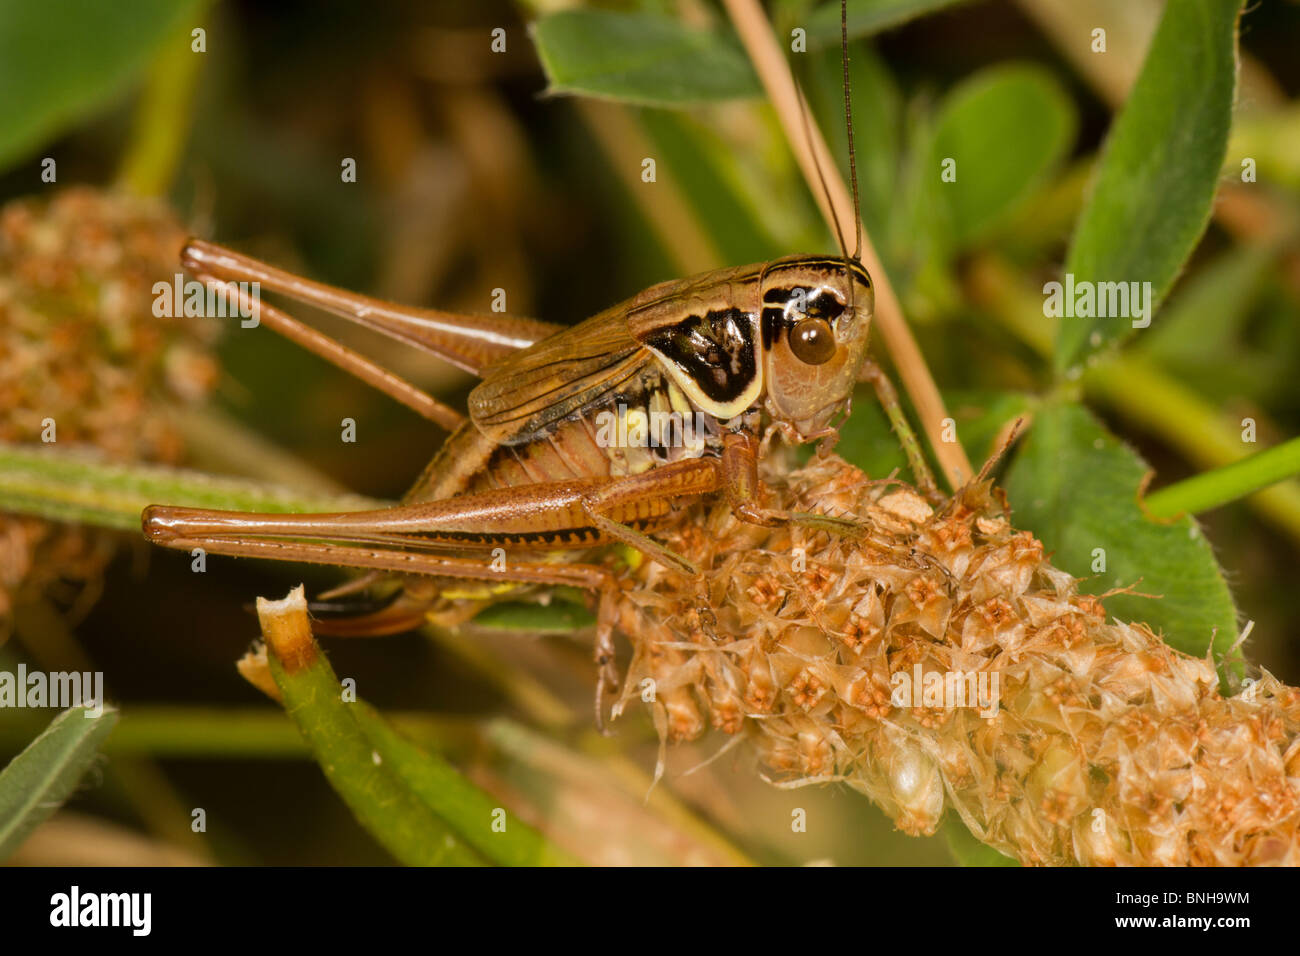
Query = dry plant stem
x=812 y=153
x=255 y=668
x=287 y=630
x=1103 y=745
x=74 y=839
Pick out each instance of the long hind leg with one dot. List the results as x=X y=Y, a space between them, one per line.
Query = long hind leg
x=552 y=516
x=470 y=342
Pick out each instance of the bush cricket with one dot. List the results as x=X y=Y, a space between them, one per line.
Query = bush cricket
x=743 y=354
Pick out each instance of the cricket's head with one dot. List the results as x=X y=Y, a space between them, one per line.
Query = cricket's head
x=816 y=316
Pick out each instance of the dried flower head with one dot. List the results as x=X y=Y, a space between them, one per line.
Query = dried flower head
x=938 y=661
x=83 y=359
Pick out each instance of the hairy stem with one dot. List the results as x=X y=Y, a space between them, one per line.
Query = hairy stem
x=67 y=486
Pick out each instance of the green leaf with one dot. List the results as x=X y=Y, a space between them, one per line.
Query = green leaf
x=557 y=617
x=1075 y=486
x=39 y=779
x=967 y=850
x=61 y=59
x=640 y=58
x=1150 y=199
x=868 y=16
x=416 y=804
x=1005 y=128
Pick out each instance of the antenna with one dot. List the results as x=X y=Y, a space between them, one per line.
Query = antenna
x=821 y=177
x=848 y=125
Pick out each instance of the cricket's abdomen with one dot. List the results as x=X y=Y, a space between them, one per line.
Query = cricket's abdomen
x=514 y=515
x=648 y=424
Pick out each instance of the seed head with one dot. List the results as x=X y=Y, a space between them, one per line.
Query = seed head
x=85 y=362
x=937 y=661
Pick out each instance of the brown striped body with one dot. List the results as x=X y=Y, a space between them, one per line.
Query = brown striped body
x=693 y=348
x=571 y=451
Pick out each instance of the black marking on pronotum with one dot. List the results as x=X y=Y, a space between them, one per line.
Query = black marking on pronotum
x=717 y=351
x=773 y=321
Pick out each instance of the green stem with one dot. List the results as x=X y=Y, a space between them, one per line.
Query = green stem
x=67 y=486
x=162 y=118
x=1214 y=488
x=1150 y=399
x=377 y=796
x=415 y=803
x=467 y=809
x=249 y=733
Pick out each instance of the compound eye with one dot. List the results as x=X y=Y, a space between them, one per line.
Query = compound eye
x=812 y=341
